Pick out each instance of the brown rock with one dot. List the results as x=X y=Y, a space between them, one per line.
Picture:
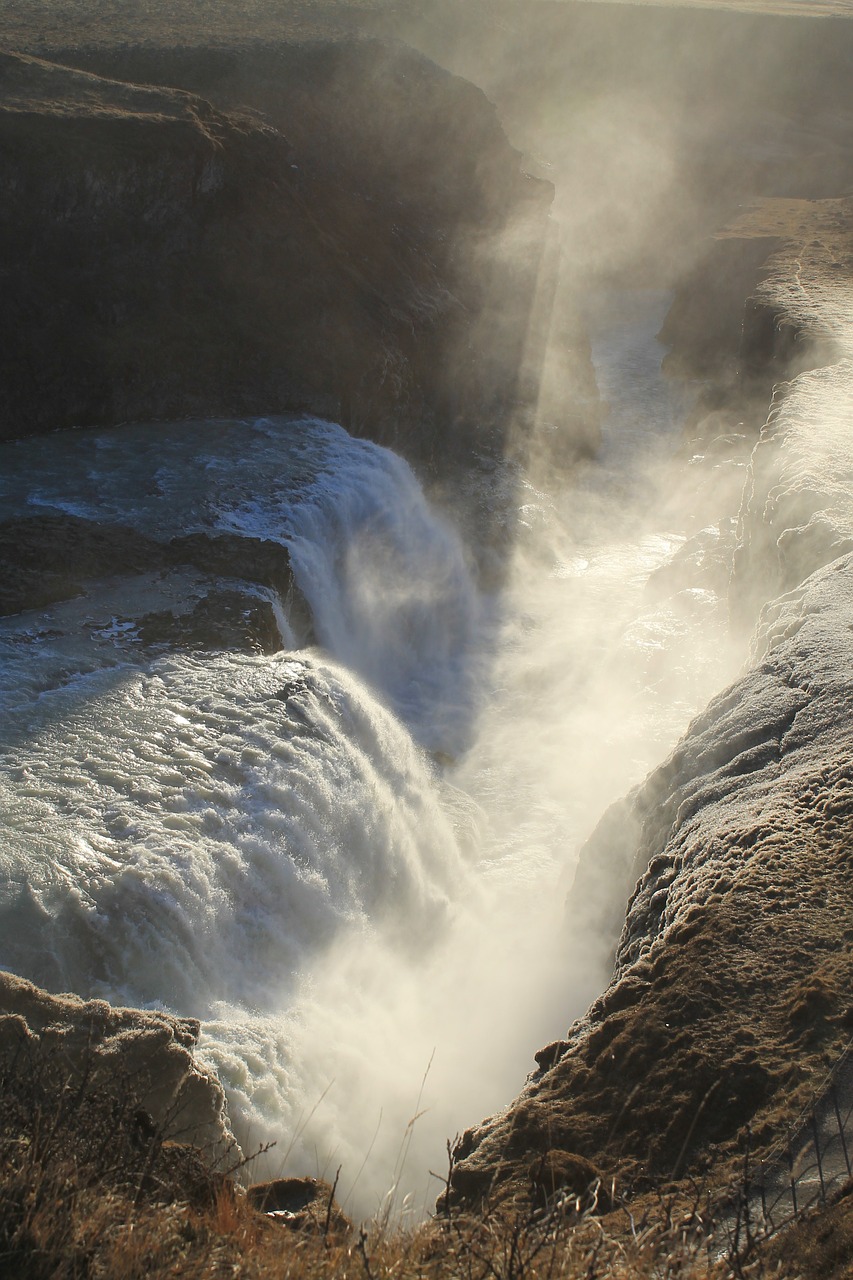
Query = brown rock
x=271 y=229
x=303 y=1204
x=143 y=1060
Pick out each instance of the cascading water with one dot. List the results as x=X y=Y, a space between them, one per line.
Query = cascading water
x=390 y=592
x=199 y=827
x=269 y=843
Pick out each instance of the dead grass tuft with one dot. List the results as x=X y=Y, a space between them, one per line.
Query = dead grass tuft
x=91 y=1189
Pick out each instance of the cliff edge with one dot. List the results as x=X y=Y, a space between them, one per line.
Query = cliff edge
x=289 y=227
x=730 y=988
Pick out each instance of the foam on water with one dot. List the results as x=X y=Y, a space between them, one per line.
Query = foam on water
x=194 y=830
x=390 y=592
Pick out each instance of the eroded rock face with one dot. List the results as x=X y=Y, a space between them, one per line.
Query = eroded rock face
x=165 y=257
x=145 y=1059
x=732 y=975
x=730 y=980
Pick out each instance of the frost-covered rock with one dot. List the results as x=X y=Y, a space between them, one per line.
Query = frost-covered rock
x=733 y=971
x=796 y=513
x=142 y=1058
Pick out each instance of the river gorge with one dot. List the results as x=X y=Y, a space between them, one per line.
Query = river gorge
x=344 y=859
x=357 y=674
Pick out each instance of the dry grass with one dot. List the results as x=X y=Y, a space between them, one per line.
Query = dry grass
x=91 y=1190
x=53 y=1227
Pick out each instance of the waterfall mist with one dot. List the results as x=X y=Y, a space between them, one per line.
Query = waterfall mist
x=351 y=859
x=585 y=678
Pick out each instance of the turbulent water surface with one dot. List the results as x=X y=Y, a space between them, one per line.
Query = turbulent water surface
x=349 y=861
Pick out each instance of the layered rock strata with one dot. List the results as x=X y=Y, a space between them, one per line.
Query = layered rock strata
x=311 y=226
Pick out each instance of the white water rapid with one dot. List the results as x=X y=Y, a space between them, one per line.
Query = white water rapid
x=349 y=861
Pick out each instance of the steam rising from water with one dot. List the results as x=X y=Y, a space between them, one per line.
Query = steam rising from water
x=266 y=842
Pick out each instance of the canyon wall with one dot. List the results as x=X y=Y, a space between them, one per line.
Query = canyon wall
x=320 y=227
x=729 y=990
x=732 y=975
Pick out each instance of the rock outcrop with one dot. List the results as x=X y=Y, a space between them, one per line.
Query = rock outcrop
x=237 y=582
x=302 y=1204
x=733 y=971
x=304 y=226
x=144 y=1061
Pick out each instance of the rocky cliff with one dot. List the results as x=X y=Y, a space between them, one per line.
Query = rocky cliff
x=730 y=983
x=732 y=976
x=312 y=226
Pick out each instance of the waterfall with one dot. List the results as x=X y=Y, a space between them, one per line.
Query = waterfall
x=260 y=841
x=390 y=591
x=195 y=829
x=350 y=862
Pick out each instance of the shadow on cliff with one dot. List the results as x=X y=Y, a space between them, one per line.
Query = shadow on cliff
x=327 y=234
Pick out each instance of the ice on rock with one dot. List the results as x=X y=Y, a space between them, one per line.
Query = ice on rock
x=796 y=514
